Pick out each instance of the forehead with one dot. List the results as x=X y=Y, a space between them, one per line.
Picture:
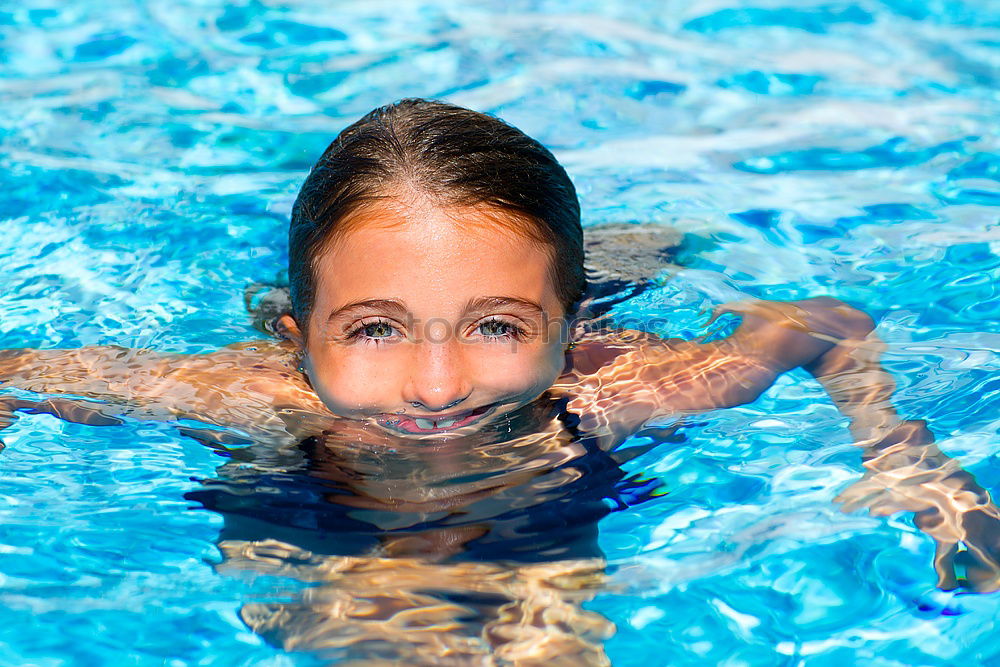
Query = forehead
x=433 y=256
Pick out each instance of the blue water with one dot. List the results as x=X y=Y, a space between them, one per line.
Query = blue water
x=150 y=153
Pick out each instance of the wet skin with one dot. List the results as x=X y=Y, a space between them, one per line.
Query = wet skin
x=427 y=321
x=432 y=324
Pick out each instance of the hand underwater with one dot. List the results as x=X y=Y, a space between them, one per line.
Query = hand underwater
x=73 y=411
x=906 y=472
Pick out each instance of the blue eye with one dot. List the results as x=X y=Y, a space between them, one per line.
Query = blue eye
x=498 y=329
x=374 y=332
x=377 y=330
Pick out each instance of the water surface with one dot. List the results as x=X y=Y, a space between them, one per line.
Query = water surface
x=150 y=153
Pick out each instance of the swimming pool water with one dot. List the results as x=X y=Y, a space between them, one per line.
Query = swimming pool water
x=150 y=153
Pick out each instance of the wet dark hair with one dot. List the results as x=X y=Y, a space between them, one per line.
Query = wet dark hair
x=455 y=156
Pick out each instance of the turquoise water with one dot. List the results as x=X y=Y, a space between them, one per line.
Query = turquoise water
x=150 y=153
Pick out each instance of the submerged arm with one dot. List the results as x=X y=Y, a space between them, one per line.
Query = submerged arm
x=119 y=380
x=905 y=470
x=834 y=342
x=107 y=372
x=240 y=385
x=624 y=379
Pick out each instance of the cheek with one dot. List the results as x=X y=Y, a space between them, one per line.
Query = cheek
x=351 y=380
x=355 y=381
x=517 y=368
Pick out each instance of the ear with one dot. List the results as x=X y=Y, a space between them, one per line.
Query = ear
x=288 y=328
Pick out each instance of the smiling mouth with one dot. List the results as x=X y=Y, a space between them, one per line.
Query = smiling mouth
x=433 y=423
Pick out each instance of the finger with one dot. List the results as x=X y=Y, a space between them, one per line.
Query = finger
x=724 y=309
x=9 y=407
x=860 y=498
x=7 y=417
x=983 y=536
x=944 y=564
x=737 y=307
x=78 y=413
x=855 y=491
x=72 y=411
x=218 y=440
x=886 y=506
x=978 y=576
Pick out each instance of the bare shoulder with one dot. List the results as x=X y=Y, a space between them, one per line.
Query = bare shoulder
x=612 y=354
x=264 y=370
x=265 y=357
x=612 y=381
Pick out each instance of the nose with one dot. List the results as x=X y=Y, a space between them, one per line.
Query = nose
x=438 y=378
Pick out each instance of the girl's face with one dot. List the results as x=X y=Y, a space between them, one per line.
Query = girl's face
x=432 y=321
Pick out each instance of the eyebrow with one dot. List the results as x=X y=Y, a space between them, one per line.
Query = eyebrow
x=395 y=308
x=390 y=307
x=493 y=302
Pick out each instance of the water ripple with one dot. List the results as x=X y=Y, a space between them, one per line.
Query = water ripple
x=150 y=154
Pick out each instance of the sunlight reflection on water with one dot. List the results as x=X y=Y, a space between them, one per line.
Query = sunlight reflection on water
x=150 y=156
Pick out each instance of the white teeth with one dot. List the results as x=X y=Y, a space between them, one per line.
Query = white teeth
x=430 y=424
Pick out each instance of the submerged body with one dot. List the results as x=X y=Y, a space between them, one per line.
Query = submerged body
x=437 y=415
x=485 y=535
x=612 y=384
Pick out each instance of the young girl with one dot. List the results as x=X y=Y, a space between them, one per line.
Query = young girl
x=434 y=366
